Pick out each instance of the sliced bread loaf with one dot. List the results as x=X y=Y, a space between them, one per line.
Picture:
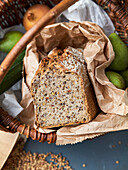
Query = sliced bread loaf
x=61 y=90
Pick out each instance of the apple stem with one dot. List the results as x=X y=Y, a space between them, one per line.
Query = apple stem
x=30 y=16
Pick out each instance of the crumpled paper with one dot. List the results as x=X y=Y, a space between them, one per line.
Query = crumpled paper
x=9 y=103
x=89 y=11
x=97 y=52
x=125 y=98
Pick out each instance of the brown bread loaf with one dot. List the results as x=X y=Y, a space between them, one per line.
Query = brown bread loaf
x=61 y=90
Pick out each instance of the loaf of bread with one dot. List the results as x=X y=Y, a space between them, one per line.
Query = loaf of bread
x=61 y=90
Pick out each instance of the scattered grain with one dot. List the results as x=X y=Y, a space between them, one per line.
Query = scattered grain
x=20 y=160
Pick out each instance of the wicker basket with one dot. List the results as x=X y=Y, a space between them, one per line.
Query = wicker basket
x=11 y=13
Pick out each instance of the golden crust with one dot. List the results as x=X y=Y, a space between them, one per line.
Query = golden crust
x=62 y=124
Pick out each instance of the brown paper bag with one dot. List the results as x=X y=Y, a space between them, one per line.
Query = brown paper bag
x=98 y=53
x=7 y=142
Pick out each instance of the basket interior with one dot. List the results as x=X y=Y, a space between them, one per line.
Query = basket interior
x=12 y=12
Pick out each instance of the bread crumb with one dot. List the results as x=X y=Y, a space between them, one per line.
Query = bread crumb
x=84 y=165
x=117 y=162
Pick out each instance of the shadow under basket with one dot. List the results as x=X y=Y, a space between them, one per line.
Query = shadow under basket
x=11 y=13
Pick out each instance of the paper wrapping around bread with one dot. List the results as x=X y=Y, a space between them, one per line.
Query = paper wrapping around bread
x=61 y=90
x=98 y=53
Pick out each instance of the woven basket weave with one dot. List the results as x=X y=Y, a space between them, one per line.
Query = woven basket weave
x=11 y=13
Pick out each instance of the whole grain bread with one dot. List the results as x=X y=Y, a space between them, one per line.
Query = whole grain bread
x=61 y=90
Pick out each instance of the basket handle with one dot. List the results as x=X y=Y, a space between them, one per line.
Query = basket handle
x=28 y=36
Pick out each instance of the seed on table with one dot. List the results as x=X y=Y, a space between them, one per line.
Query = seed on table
x=117 y=162
x=119 y=142
x=84 y=165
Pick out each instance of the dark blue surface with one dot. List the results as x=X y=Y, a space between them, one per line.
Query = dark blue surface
x=97 y=154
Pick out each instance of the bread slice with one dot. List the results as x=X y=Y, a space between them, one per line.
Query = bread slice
x=61 y=90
